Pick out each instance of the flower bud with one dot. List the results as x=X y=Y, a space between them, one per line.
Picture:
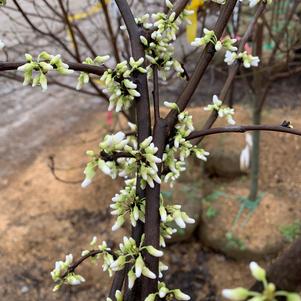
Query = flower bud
x=153 y=251
x=236 y=294
x=179 y=295
x=257 y=272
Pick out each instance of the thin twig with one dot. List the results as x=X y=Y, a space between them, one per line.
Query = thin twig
x=243 y=129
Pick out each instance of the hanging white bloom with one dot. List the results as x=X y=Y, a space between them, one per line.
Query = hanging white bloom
x=219 y=1
x=216 y=104
x=257 y=272
x=228 y=42
x=35 y=71
x=222 y=111
x=230 y=57
x=168 y=294
x=218 y=46
x=248 y=59
x=237 y=294
x=2 y=45
x=86 y=183
x=209 y=37
x=245 y=155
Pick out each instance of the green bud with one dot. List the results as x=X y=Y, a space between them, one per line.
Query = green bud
x=151 y=297
x=257 y=272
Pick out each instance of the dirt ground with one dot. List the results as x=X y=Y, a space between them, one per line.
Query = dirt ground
x=43 y=219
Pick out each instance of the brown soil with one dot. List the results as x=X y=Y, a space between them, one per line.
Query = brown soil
x=42 y=219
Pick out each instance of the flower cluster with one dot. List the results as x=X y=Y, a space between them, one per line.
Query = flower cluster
x=171 y=215
x=209 y=37
x=247 y=59
x=2 y=45
x=159 y=47
x=130 y=253
x=148 y=169
x=84 y=77
x=121 y=156
x=119 y=84
x=167 y=294
x=63 y=272
x=269 y=292
x=44 y=63
x=222 y=111
x=60 y=273
x=127 y=202
x=110 y=145
x=227 y=43
x=179 y=147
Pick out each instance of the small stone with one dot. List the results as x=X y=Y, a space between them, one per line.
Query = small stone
x=24 y=289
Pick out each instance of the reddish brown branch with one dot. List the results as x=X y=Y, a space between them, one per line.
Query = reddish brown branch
x=203 y=62
x=77 y=263
x=243 y=129
x=233 y=69
x=92 y=69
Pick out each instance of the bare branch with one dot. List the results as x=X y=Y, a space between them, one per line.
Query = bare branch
x=243 y=129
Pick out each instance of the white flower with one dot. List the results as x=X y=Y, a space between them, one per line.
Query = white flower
x=180 y=295
x=219 y=1
x=218 y=46
x=153 y=251
x=73 y=279
x=255 y=61
x=131 y=279
x=216 y=104
x=171 y=105
x=230 y=57
x=163 y=291
x=228 y=43
x=86 y=183
x=246 y=153
x=257 y=272
x=148 y=273
x=236 y=294
x=249 y=60
x=2 y=45
x=118 y=295
x=253 y=2
x=93 y=241
x=119 y=222
x=139 y=265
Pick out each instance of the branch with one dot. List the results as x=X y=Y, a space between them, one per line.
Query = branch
x=281 y=34
x=96 y=70
x=156 y=95
x=143 y=121
x=234 y=68
x=204 y=60
x=74 y=42
x=110 y=30
x=92 y=253
x=179 y=7
x=243 y=129
x=115 y=156
x=52 y=168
